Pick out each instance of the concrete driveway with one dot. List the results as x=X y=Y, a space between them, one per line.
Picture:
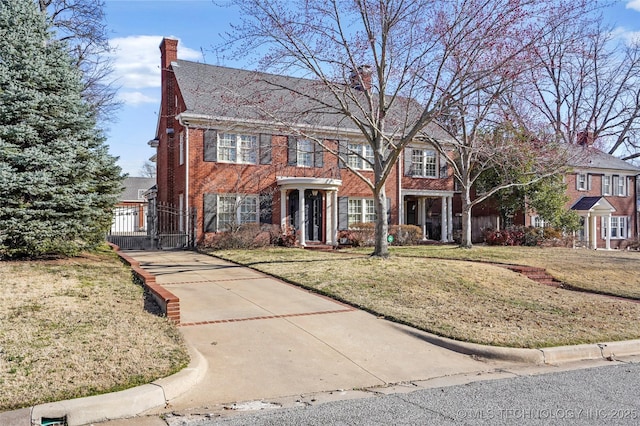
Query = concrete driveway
x=263 y=338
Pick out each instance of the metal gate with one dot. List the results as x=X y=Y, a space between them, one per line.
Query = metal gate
x=156 y=226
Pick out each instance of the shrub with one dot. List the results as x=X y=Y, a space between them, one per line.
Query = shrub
x=247 y=236
x=405 y=235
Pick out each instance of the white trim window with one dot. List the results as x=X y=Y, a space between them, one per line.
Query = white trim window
x=237 y=148
x=606 y=185
x=306 y=150
x=618 y=227
x=360 y=156
x=424 y=163
x=361 y=210
x=619 y=186
x=537 y=222
x=237 y=210
x=581 y=181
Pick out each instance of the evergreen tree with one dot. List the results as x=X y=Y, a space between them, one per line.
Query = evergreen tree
x=58 y=184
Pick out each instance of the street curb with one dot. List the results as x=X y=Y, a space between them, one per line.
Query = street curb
x=126 y=403
x=552 y=355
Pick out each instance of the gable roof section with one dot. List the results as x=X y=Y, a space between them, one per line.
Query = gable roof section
x=132 y=185
x=227 y=94
x=590 y=204
x=593 y=158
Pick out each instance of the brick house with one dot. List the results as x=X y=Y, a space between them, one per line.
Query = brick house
x=130 y=213
x=226 y=146
x=603 y=190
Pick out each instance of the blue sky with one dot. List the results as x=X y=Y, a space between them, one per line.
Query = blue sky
x=136 y=28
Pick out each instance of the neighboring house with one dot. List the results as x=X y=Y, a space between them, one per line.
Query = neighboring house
x=130 y=214
x=225 y=145
x=603 y=191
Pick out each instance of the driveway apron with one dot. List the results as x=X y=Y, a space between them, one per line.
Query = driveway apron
x=263 y=338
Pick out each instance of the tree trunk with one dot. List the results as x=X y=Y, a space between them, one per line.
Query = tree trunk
x=382 y=227
x=465 y=241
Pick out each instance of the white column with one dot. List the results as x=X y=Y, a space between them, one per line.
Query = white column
x=444 y=214
x=608 y=223
x=423 y=203
x=334 y=216
x=302 y=219
x=450 y=219
x=594 y=234
x=283 y=209
x=328 y=227
x=587 y=230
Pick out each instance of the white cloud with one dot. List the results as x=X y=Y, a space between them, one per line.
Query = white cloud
x=136 y=98
x=629 y=37
x=634 y=4
x=137 y=60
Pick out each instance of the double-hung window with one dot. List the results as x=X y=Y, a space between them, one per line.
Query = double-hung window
x=581 y=181
x=619 y=186
x=618 y=227
x=237 y=148
x=606 y=185
x=360 y=156
x=361 y=211
x=424 y=163
x=236 y=210
x=305 y=153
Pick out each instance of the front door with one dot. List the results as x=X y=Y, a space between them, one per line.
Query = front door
x=412 y=212
x=313 y=214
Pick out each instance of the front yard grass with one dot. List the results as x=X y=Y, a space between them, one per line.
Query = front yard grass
x=469 y=301
x=77 y=327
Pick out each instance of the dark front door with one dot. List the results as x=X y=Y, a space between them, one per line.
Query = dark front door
x=313 y=215
x=412 y=212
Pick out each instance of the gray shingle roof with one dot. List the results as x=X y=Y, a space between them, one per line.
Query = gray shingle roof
x=133 y=186
x=593 y=158
x=238 y=95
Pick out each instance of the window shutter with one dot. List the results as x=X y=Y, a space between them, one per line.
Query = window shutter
x=614 y=184
x=588 y=182
x=444 y=167
x=602 y=190
x=292 y=150
x=342 y=152
x=210 y=145
x=625 y=191
x=628 y=227
x=343 y=212
x=265 y=149
x=577 y=181
x=210 y=213
x=318 y=155
x=266 y=208
x=388 y=211
x=408 y=164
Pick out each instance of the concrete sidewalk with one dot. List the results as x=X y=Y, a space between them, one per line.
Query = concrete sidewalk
x=256 y=338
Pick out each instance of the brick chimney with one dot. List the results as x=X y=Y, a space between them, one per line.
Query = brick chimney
x=585 y=138
x=168 y=51
x=360 y=78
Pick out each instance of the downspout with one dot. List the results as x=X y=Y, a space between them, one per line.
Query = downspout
x=186 y=180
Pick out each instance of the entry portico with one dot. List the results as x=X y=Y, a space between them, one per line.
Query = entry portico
x=419 y=206
x=590 y=208
x=310 y=206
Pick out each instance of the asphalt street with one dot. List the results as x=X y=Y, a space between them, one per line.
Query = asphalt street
x=589 y=396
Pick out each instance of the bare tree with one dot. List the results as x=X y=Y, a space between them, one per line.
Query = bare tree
x=148 y=169
x=429 y=62
x=589 y=85
x=81 y=25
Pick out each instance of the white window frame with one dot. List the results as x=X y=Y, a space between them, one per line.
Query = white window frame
x=360 y=156
x=619 y=183
x=537 y=222
x=606 y=185
x=581 y=181
x=618 y=227
x=240 y=148
x=305 y=149
x=232 y=210
x=361 y=210
x=420 y=164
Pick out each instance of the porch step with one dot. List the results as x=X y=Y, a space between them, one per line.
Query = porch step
x=539 y=275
